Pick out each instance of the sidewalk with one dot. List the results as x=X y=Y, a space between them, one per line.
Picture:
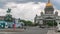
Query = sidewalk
x=11 y=30
x=52 y=32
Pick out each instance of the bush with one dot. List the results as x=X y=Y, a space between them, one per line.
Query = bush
x=27 y=23
x=50 y=23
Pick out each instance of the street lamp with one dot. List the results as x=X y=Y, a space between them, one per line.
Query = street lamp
x=53 y=28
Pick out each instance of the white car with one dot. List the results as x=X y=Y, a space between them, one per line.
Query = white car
x=58 y=28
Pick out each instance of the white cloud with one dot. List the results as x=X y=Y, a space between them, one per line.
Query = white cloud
x=2 y=12
x=25 y=11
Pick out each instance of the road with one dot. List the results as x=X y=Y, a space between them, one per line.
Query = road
x=29 y=30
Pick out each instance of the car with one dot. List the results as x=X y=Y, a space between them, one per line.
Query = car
x=42 y=26
x=58 y=29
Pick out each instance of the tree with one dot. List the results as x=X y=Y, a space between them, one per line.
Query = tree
x=8 y=16
x=51 y=23
x=9 y=10
x=27 y=23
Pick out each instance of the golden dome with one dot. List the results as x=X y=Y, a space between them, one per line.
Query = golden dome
x=48 y=4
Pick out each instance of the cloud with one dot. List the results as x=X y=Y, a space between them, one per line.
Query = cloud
x=25 y=11
x=23 y=1
x=4 y=2
x=2 y=12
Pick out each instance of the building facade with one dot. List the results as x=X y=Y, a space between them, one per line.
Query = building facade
x=47 y=15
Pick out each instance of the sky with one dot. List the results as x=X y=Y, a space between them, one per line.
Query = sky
x=26 y=9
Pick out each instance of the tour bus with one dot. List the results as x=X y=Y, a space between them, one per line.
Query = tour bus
x=58 y=27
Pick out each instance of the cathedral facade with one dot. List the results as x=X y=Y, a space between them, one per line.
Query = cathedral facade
x=48 y=15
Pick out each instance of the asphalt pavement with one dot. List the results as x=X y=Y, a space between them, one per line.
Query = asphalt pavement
x=29 y=30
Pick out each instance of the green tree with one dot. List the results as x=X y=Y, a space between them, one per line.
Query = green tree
x=27 y=23
x=9 y=10
x=8 y=18
x=51 y=23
